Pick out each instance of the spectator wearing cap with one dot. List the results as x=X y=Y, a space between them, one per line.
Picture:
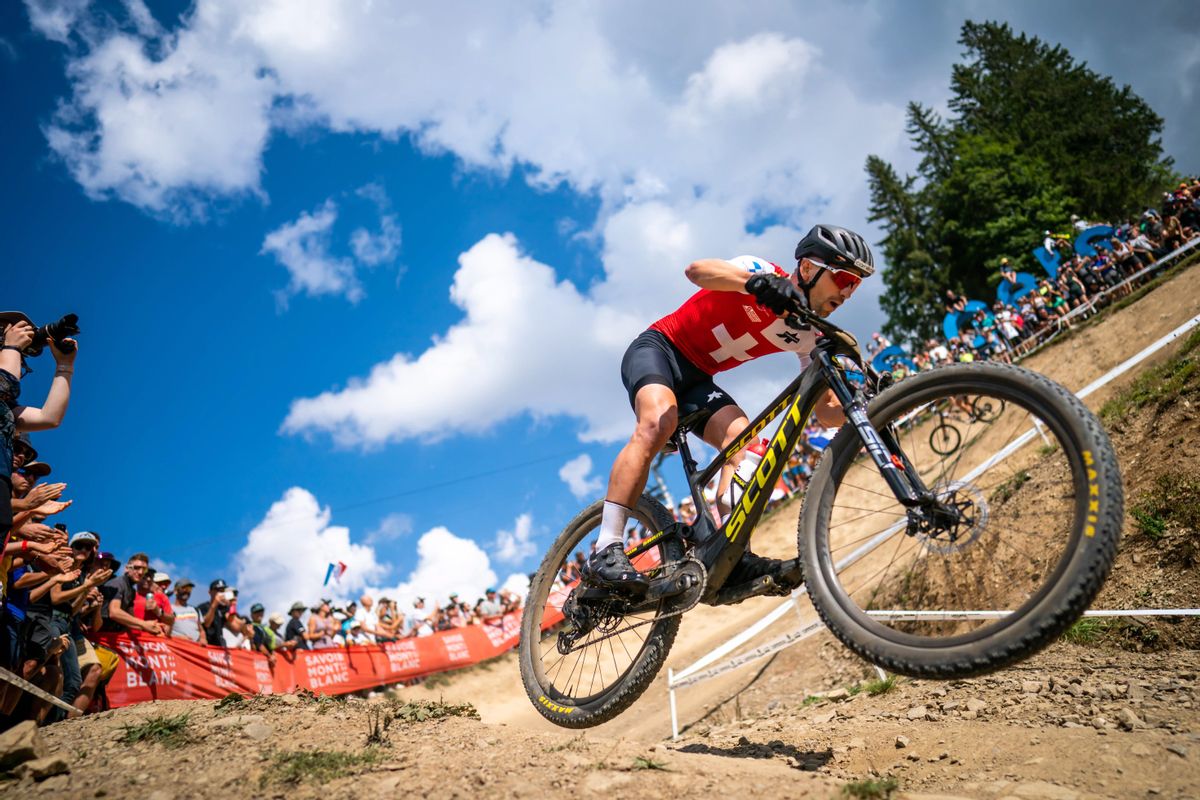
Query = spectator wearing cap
x=214 y=612
x=490 y=607
x=119 y=611
x=275 y=636
x=357 y=635
x=187 y=617
x=1008 y=279
x=166 y=615
x=261 y=640
x=294 y=633
x=65 y=600
x=29 y=499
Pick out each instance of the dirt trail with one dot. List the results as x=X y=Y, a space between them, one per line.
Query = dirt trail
x=1077 y=721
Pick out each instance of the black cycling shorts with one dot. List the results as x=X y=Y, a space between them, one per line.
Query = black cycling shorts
x=652 y=358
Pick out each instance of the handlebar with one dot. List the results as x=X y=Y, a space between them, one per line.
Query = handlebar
x=841 y=341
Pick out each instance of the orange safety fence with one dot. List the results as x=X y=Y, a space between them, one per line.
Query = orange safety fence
x=157 y=668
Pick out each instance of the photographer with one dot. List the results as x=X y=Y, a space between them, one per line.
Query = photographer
x=21 y=338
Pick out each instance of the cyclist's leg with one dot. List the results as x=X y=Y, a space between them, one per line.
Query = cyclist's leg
x=650 y=373
x=657 y=415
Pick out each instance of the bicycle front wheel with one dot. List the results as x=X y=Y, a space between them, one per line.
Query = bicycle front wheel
x=1039 y=505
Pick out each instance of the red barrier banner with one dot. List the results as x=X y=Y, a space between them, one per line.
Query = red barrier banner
x=157 y=668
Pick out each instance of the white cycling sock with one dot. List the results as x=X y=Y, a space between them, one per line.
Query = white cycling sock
x=612 y=524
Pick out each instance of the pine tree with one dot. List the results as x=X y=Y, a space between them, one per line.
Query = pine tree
x=1033 y=136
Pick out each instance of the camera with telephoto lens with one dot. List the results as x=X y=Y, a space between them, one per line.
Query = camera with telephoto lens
x=67 y=325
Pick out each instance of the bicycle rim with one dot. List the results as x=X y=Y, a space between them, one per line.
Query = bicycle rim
x=1019 y=480
x=604 y=657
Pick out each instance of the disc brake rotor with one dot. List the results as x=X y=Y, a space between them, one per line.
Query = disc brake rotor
x=972 y=509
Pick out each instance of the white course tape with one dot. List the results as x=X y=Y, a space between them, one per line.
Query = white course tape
x=21 y=683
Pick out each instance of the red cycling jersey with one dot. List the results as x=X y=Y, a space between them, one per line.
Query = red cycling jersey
x=719 y=330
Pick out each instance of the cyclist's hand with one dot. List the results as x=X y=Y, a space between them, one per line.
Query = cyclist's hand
x=775 y=292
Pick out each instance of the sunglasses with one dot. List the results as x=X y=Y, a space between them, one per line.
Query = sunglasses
x=84 y=546
x=841 y=278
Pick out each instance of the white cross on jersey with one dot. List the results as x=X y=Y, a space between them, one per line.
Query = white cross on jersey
x=738 y=348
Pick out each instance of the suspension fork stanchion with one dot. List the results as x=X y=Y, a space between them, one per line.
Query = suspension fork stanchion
x=856 y=413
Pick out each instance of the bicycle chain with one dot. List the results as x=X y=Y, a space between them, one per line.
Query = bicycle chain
x=703 y=586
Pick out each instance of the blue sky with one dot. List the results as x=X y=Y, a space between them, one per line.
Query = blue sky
x=329 y=265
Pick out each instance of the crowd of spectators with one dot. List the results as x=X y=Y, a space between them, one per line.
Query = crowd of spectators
x=1082 y=286
x=57 y=586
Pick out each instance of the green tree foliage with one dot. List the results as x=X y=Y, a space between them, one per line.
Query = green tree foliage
x=1033 y=137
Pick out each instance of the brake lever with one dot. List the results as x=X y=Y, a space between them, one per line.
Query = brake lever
x=801 y=320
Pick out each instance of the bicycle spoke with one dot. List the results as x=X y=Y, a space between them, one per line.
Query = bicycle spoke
x=873 y=511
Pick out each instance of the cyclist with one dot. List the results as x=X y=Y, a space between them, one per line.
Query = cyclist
x=736 y=316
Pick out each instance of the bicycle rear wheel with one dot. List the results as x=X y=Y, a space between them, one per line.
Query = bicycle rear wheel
x=609 y=665
x=1039 y=509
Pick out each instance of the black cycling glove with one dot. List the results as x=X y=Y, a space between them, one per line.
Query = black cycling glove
x=775 y=292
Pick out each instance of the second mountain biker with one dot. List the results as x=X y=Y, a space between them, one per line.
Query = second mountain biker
x=736 y=316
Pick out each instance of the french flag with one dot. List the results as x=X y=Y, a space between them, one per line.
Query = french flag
x=335 y=571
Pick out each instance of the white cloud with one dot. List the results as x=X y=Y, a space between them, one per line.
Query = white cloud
x=576 y=473
x=743 y=75
x=527 y=341
x=286 y=555
x=164 y=123
x=517 y=583
x=373 y=249
x=302 y=247
x=55 y=19
x=513 y=547
x=445 y=563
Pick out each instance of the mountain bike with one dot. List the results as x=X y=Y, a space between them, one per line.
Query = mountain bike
x=945 y=438
x=927 y=565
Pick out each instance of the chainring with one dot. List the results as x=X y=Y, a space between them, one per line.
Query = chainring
x=610 y=618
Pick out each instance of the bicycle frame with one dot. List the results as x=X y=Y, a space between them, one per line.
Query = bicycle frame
x=720 y=548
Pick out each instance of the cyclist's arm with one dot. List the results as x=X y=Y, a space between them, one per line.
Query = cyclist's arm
x=718 y=275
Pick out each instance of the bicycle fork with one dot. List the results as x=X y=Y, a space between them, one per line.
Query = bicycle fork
x=882 y=447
